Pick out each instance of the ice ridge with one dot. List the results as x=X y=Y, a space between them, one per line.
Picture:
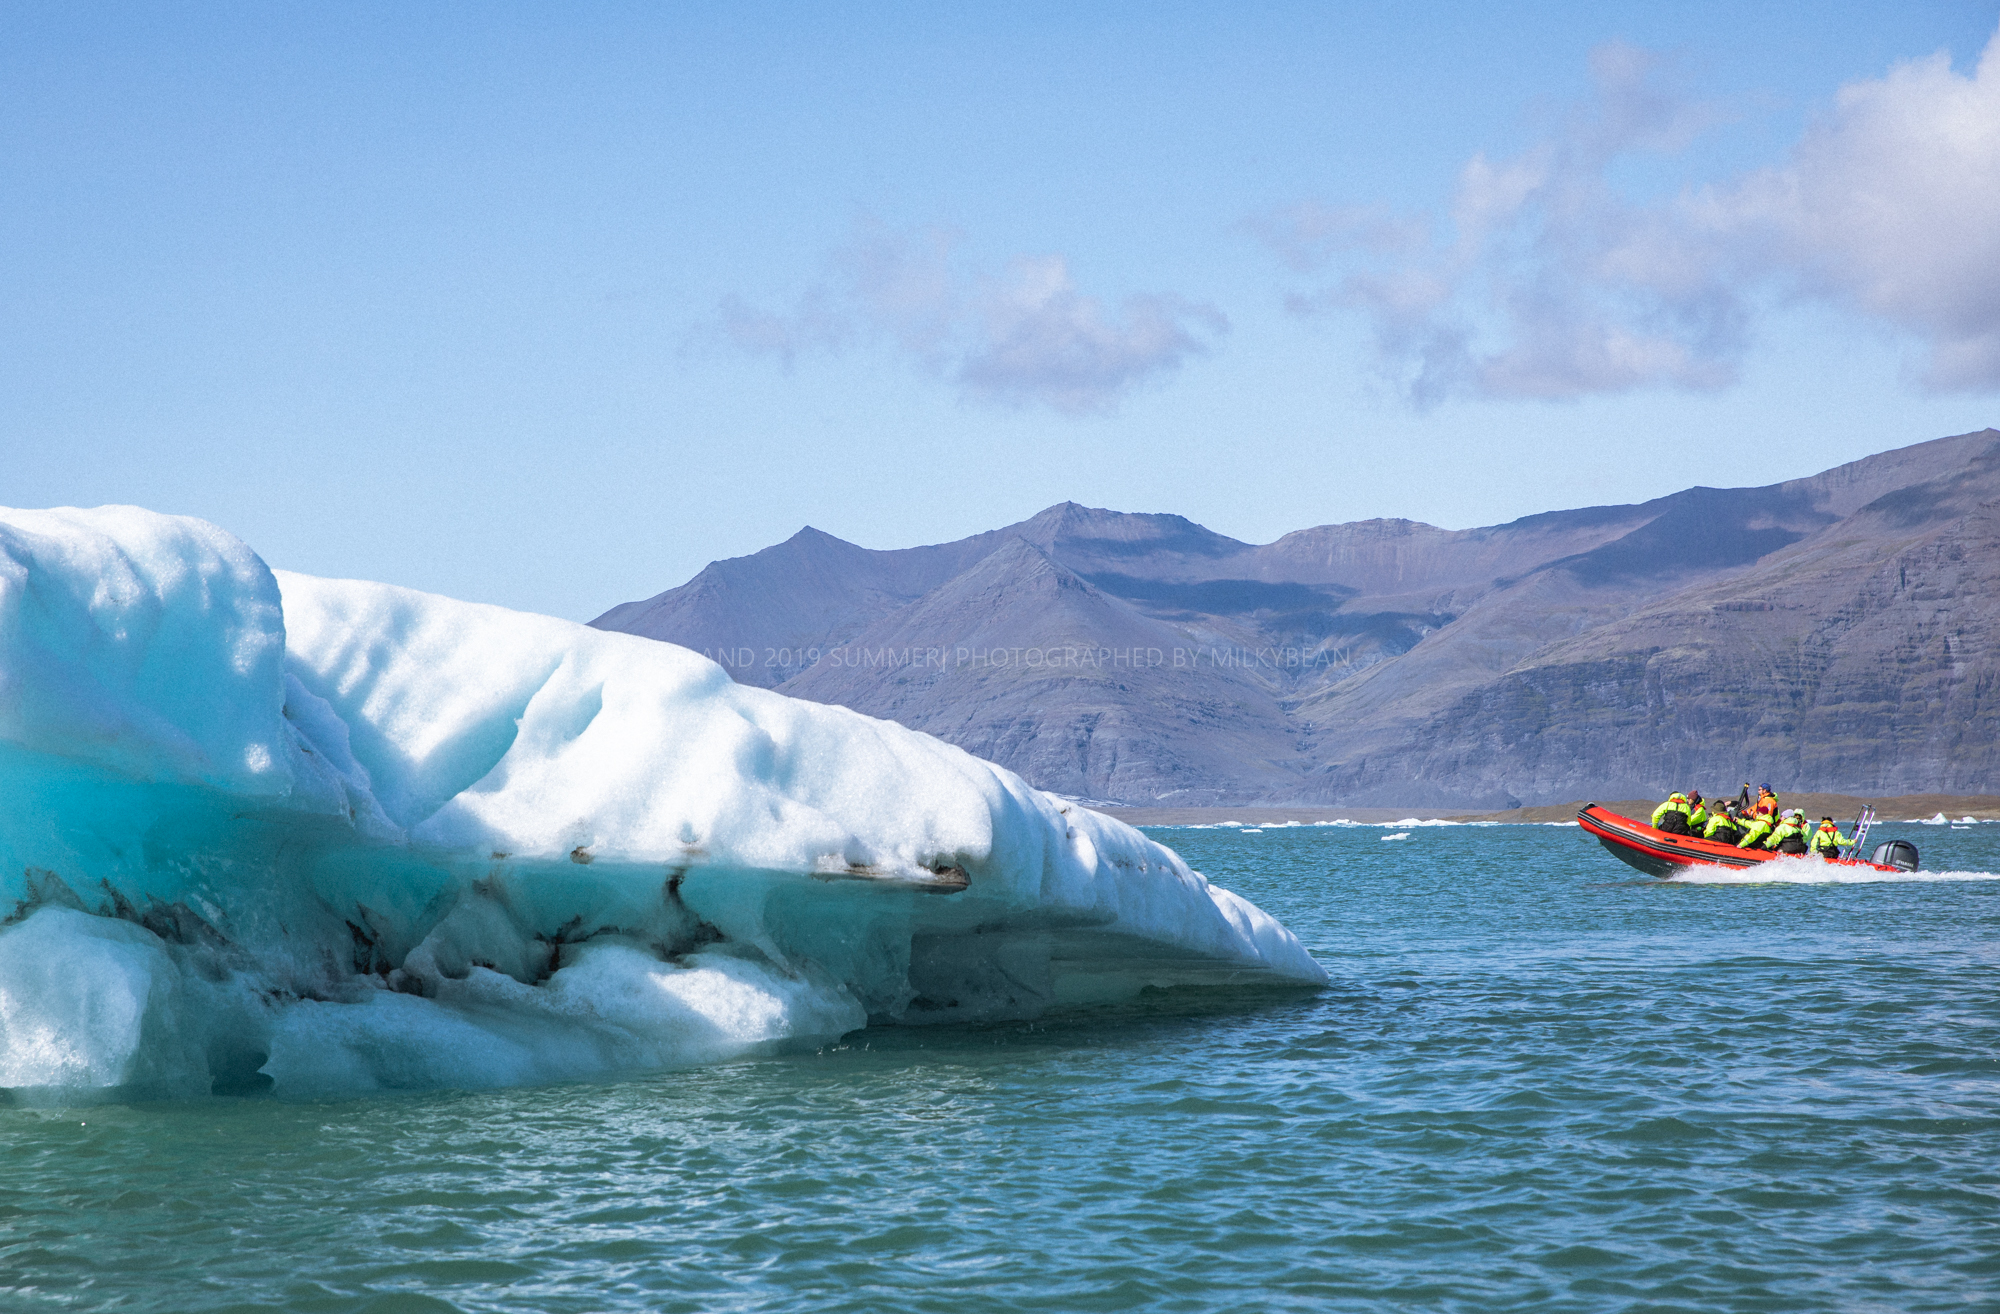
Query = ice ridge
x=269 y=830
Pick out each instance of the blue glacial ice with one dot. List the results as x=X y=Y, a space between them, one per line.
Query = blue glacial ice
x=263 y=830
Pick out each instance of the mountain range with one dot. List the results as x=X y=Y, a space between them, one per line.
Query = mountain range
x=1834 y=633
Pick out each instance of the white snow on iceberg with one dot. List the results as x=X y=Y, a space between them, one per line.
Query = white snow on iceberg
x=266 y=829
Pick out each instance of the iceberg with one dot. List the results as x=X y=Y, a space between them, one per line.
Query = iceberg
x=269 y=831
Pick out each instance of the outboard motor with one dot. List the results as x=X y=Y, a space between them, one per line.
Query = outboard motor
x=1900 y=854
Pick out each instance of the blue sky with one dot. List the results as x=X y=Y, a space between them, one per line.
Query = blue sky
x=548 y=306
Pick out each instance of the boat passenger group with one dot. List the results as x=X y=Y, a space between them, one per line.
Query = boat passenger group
x=1750 y=824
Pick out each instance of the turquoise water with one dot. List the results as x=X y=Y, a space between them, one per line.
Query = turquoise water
x=1537 y=1082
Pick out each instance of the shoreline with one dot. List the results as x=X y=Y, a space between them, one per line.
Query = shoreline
x=1843 y=808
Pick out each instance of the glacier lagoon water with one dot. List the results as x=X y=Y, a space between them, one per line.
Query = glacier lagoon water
x=1537 y=1081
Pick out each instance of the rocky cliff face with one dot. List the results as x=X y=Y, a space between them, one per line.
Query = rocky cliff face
x=1022 y=660
x=1858 y=660
x=1834 y=632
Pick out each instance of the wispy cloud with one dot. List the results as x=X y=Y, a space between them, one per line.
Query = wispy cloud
x=1308 y=234
x=1025 y=335
x=1889 y=205
x=1550 y=284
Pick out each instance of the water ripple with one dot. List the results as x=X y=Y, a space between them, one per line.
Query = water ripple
x=1533 y=1085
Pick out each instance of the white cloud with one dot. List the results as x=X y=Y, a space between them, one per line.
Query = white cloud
x=1891 y=204
x=814 y=326
x=1039 y=339
x=1553 y=285
x=1026 y=336
x=1308 y=234
x=903 y=285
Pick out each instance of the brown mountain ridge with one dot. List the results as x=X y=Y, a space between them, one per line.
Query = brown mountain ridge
x=1831 y=633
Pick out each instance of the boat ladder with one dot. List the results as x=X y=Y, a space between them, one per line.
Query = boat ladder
x=1861 y=826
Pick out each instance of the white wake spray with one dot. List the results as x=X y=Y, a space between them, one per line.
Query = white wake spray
x=1807 y=870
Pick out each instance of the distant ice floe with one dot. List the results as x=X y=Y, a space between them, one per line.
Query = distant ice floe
x=331 y=836
x=1084 y=801
x=1399 y=835
x=1253 y=828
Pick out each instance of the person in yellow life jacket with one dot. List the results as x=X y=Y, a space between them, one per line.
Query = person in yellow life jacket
x=1672 y=815
x=1697 y=814
x=1790 y=835
x=1827 y=841
x=1756 y=832
x=1721 y=828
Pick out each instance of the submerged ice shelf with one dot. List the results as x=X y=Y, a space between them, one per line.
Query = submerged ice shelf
x=267 y=829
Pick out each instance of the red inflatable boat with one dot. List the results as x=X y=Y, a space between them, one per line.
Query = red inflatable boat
x=1659 y=854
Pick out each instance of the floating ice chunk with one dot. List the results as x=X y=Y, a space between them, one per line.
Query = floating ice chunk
x=97 y=1002
x=348 y=836
x=615 y=1008
x=1399 y=835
